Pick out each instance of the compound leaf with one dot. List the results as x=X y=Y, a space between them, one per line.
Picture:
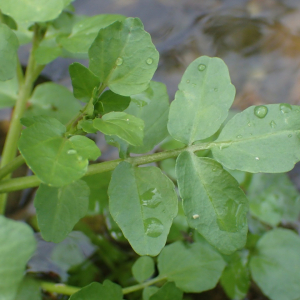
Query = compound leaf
x=60 y=208
x=202 y=102
x=83 y=81
x=275 y=264
x=17 y=245
x=52 y=157
x=127 y=127
x=151 y=199
x=193 y=268
x=143 y=268
x=168 y=291
x=124 y=57
x=85 y=31
x=213 y=202
x=9 y=45
x=32 y=10
x=53 y=100
x=264 y=138
x=97 y=291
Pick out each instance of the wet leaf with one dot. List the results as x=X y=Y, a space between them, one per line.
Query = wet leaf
x=17 y=245
x=275 y=264
x=194 y=268
x=8 y=52
x=202 y=102
x=32 y=10
x=124 y=57
x=83 y=82
x=150 y=197
x=53 y=100
x=85 y=31
x=143 y=268
x=261 y=139
x=59 y=209
x=213 y=202
x=52 y=157
x=125 y=126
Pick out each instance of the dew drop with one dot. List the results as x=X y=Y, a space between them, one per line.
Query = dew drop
x=149 y=61
x=153 y=227
x=201 y=67
x=214 y=169
x=239 y=136
x=151 y=198
x=127 y=120
x=272 y=124
x=257 y=158
x=290 y=135
x=285 y=108
x=119 y=61
x=188 y=81
x=195 y=216
x=260 y=111
x=72 y=151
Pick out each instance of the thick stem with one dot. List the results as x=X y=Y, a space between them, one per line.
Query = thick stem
x=32 y=181
x=68 y=290
x=11 y=142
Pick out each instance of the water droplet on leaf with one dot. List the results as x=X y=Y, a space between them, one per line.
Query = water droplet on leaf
x=261 y=111
x=72 y=151
x=285 y=108
x=257 y=158
x=119 y=61
x=201 y=67
x=151 y=198
x=239 y=136
x=149 y=61
x=153 y=227
x=195 y=216
x=272 y=124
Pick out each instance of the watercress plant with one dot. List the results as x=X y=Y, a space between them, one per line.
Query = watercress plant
x=191 y=213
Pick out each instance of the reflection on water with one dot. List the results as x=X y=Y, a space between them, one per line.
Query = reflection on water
x=259 y=41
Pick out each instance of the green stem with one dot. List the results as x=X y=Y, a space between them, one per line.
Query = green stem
x=68 y=290
x=32 y=181
x=11 y=142
x=12 y=166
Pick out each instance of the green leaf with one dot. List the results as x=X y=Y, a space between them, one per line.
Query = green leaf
x=9 y=45
x=213 y=202
x=143 y=268
x=85 y=31
x=168 y=291
x=273 y=198
x=29 y=289
x=275 y=265
x=235 y=279
x=83 y=82
x=124 y=57
x=150 y=198
x=152 y=106
x=125 y=126
x=59 y=209
x=202 y=102
x=53 y=100
x=17 y=245
x=109 y=101
x=261 y=139
x=9 y=21
x=8 y=92
x=149 y=291
x=32 y=10
x=47 y=51
x=194 y=268
x=85 y=147
x=87 y=126
x=51 y=156
x=97 y=291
